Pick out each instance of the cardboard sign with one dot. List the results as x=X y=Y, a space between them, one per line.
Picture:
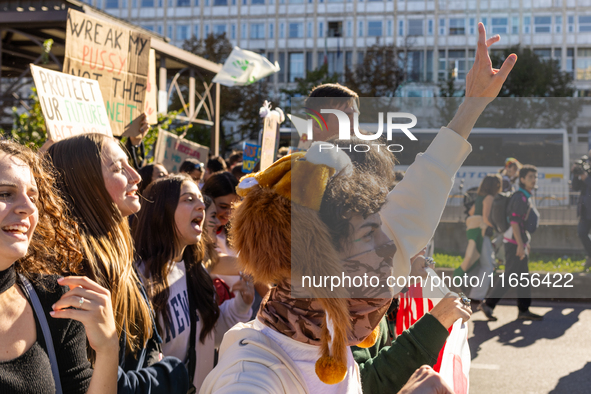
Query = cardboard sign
x=269 y=144
x=117 y=58
x=250 y=157
x=151 y=90
x=70 y=105
x=171 y=151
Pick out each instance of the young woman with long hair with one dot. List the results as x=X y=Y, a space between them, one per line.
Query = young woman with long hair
x=169 y=239
x=478 y=223
x=101 y=189
x=37 y=332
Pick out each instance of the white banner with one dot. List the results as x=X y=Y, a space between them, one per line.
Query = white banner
x=244 y=67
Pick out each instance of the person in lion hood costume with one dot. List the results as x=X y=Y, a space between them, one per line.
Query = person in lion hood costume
x=315 y=215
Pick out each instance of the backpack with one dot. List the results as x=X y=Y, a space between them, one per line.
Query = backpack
x=498 y=212
x=470 y=199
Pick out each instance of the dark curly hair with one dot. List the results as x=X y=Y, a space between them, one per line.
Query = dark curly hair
x=55 y=246
x=358 y=193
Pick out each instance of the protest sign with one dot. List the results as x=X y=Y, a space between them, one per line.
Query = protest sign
x=171 y=151
x=244 y=67
x=250 y=157
x=117 y=58
x=70 y=105
x=151 y=90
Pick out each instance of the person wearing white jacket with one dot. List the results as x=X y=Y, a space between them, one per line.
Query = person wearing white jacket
x=278 y=352
x=168 y=239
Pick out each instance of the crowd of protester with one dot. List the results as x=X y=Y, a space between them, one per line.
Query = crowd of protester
x=112 y=281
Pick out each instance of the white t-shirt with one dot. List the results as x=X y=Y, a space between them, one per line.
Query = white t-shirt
x=305 y=356
x=176 y=339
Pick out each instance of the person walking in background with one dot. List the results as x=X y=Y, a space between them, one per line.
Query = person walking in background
x=213 y=166
x=520 y=211
x=478 y=225
x=582 y=182
x=509 y=173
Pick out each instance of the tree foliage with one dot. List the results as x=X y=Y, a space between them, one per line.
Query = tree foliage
x=239 y=103
x=380 y=74
x=313 y=78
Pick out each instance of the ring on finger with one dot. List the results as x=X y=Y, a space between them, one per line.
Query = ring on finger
x=465 y=300
x=80 y=302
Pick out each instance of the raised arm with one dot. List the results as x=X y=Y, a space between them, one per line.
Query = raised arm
x=483 y=84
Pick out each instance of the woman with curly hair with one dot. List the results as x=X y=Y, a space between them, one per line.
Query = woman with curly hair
x=101 y=189
x=43 y=344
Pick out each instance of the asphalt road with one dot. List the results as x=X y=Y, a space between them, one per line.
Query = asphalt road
x=549 y=356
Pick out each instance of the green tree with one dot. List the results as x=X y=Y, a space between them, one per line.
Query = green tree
x=313 y=78
x=28 y=127
x=380 y=74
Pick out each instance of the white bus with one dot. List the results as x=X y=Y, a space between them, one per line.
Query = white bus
x=547 y=149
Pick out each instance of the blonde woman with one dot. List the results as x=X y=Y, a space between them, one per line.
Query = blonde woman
x=101 y=189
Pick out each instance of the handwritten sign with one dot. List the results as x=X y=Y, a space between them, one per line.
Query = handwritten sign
x=70 y=105
x=117 y=58
x=269 y=145
x=250 y=157
x=151 y=90
x=171 y=151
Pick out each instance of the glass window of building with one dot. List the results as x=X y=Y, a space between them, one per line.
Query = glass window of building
x=147 y=3
x=430 y=27
x=309 y=30
x=148 y=27
x=349 y=29
x=515 y=25
x=457 y=26
x=111 y=4
x=415 y=66
x=472 y=26
x=544 y=54
x=257 y=31
x=296 y=30
x=441 y=67
x=169 y=32
x=271 y=30
x=207 y=3
x=182 y=32
x=415 y=27
x=309 y=61
x=281 y=72
x=233 y=31
x=454 y=64
x=257 y=2
x=206 y=33
x=282 y=30
x=374 y=28
x=390 y=31
x=220 y=2
x=542 y=24
x=183 y=3
x=99 y=4
x=583 y=64
x=196 y=31
x=335 y=29
x=571 y=24
x=349 y=60
x=499 y=25
x=570 y=61
x=401 y=28
x=219 y=29
x=360 y=57
x=526 y=24
x=296 y=66
x=584 y=24
x=159 y=29
x=360 y=29
x=558 y=24
x=243 y=31
x=441 y=27
x=320 y=29
x=296 y=1
x=429 y=66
